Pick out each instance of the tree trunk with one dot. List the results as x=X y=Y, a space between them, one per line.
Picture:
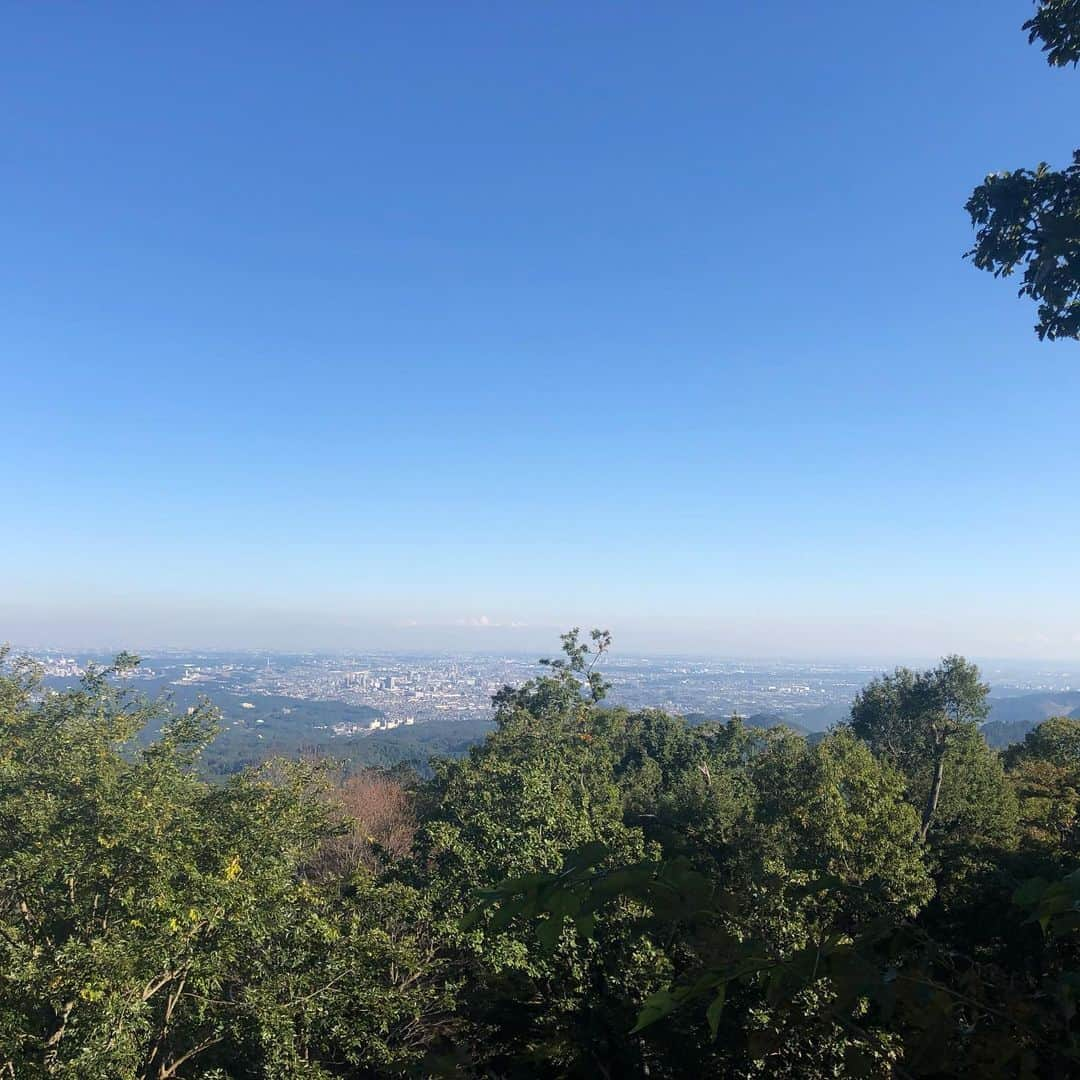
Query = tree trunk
x=52 y=1043
x=935 y=794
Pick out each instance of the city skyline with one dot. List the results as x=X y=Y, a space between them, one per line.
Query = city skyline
x=334 y=697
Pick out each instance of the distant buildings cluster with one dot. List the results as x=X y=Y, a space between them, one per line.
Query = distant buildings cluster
x=372 y=725
x=417 y=689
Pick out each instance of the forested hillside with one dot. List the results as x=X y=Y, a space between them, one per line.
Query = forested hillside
x=588 y=891
x=252 y=728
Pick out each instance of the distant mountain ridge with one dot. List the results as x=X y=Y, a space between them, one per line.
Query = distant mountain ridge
x=762 y=720
x=1018 y=708
x=1013 y=718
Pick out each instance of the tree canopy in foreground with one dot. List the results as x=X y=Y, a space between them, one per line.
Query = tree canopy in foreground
x=589 y=892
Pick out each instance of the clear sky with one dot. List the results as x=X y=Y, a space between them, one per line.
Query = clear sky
x=347 y=324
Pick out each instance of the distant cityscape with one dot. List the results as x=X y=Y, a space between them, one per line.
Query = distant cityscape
x=413 y=689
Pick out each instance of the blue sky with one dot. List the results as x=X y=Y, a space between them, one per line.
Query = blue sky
x=360 y=323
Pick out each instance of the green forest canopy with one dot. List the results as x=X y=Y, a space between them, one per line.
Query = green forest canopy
x=589 y=890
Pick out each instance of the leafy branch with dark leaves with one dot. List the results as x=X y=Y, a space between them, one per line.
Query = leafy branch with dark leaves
x=1030 y=218
x=947 y=1007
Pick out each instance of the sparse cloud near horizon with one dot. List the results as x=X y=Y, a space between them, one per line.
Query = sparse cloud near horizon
x=134 y=624
x=484 y=622
x=475 y=620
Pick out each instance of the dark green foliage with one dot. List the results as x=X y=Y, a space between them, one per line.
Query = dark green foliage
x=1056 y=25
x=1045 y=773
x=977 y=808
x=866 y=1000
x=154 y=926
x=1056 y=740
x=588 y=892
x=1029 y=219
x=543 y=784
x=835 y=810
x=914 y=719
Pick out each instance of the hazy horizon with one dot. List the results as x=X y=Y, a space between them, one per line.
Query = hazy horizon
x=851 y=640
